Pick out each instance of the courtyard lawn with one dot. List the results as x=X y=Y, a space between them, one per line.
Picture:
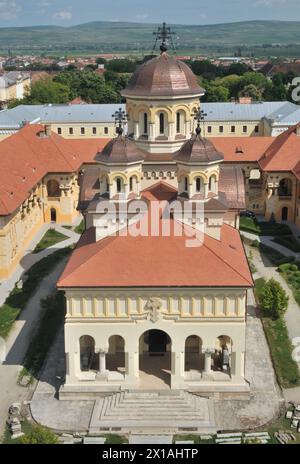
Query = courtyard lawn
x=288 y=241
x=263 y=228
x=280 y=346
x=48 y=326
x=291 y=273
x=50 y=238
x=18 y=298
x=80 y=228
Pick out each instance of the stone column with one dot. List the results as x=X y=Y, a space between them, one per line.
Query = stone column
x=102 y=362
x=205 y=190
x=177 y=369
x=151 y=131
x=207 y=374
x=136 y=130
x=131 y=368
x=171 y=131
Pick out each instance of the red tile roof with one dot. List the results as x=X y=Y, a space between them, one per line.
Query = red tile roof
x=25 y=158
x=241 y=149
x=157 y=261
x=283 y=154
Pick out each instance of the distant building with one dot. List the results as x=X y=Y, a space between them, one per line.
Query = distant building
x=13 y=86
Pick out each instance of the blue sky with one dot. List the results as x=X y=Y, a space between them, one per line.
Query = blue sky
x=69 y=12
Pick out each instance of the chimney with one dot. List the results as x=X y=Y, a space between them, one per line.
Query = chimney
x=47 y=130
x=245 y=100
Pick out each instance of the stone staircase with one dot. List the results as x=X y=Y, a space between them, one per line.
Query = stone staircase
x=163 y=411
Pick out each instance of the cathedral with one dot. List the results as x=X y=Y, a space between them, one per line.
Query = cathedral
x=156 y=288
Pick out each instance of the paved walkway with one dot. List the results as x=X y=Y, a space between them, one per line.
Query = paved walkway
x=17 y=344
x=292 y=316
x=30 y=258
x=268 y=240
x=18 y=339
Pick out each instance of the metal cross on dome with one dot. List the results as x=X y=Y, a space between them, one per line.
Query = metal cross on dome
x=164 y=34
x=199 y=115
x=121 y=118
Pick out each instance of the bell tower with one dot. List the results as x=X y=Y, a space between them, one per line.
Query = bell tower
x=160 y=98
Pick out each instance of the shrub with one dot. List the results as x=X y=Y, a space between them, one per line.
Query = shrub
x=285 y=267
x=294 y=267
x=273 y=299
x=40 y=436
x=297 y=297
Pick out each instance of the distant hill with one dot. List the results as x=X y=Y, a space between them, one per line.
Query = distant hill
x=104 y=36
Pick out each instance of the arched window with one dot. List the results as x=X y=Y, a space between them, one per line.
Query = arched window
x=131 y=184
x=198 y=184
x=145 y=123
x=178 y=123
x=53 y=189
x=212 y=184
x=161 y=123
x=119 y=185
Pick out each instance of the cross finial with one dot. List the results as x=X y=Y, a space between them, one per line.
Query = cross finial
x=164 y=34
x=199 y=115
x=121 y=117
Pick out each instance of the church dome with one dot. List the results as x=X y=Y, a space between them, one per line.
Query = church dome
x=120 y=150
x=163 y=76
x=198 y=150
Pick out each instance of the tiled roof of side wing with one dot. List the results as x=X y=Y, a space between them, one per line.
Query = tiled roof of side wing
x=247 y=112
x=58 y=113
x=80 y=113
x=15 y=116
x=280 y=111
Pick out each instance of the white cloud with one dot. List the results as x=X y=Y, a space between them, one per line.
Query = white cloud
x=141 y=16
x=271 y=3
x=63 y=15
x=9 y=9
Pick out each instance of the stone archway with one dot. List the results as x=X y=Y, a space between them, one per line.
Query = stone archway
x=155 y=360
x=115 y=358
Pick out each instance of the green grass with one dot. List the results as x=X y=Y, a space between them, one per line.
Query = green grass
x=280 y=346
x=114 y=439
x=48 y=326
x=288 y=241
x=18 y=298
x=291 y=273
x=27 y=428
x=263 y=228
x=50 y=238
x=80 y=228
x=281 y=351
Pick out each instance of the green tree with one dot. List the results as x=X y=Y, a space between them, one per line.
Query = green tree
x=215 y=93
x=88 y=85
x=251 y=91
x=273 y=299
x=40 y=436
x=45 y=91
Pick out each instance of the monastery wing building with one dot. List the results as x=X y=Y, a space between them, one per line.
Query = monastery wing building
x=146 y=310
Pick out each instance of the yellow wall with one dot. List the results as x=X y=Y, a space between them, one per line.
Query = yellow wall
x=19 y=228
